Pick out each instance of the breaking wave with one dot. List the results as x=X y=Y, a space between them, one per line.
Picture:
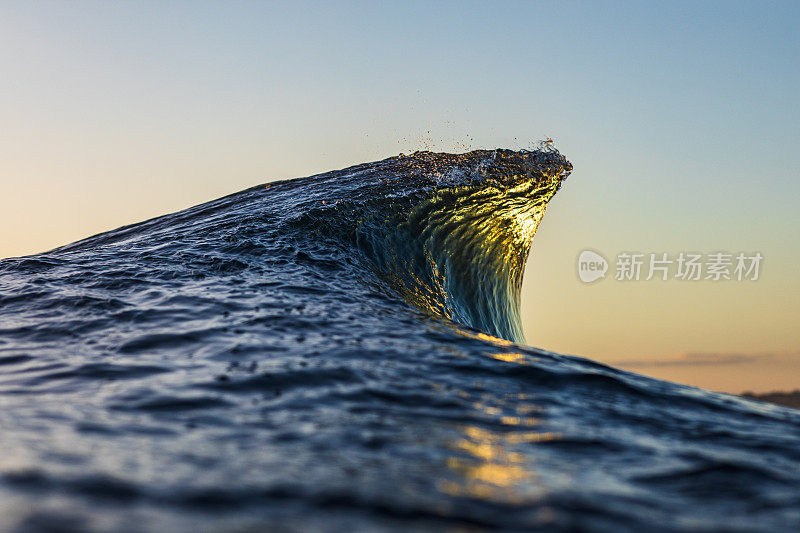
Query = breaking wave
x=343 y=352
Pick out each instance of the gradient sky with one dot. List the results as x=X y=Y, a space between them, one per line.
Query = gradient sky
x=681 y=119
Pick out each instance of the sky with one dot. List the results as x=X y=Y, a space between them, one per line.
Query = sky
x=681 y=120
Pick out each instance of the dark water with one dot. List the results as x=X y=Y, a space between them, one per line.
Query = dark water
x=325 y=354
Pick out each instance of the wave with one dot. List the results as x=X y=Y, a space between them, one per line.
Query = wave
x=343 y=352
x=450 y=233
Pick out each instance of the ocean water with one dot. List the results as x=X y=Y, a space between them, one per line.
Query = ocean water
x=343 y=353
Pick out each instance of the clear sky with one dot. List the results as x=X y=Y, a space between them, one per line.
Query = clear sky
x=681 y=119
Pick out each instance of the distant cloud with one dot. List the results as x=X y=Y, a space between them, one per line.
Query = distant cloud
x=711 y=358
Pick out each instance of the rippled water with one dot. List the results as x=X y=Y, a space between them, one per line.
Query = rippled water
x=327 y=354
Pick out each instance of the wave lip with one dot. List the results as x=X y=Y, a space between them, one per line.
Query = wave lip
x=454 y=232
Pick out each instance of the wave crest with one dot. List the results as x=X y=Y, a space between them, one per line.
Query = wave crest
x=451 y=232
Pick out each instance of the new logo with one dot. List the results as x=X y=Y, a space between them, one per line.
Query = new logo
x=591 y=266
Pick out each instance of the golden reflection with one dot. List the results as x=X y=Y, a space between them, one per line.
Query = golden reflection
x=513 y=357
x=518 y=420
x=485 y=337
x=496 y=464
x=477 y=335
